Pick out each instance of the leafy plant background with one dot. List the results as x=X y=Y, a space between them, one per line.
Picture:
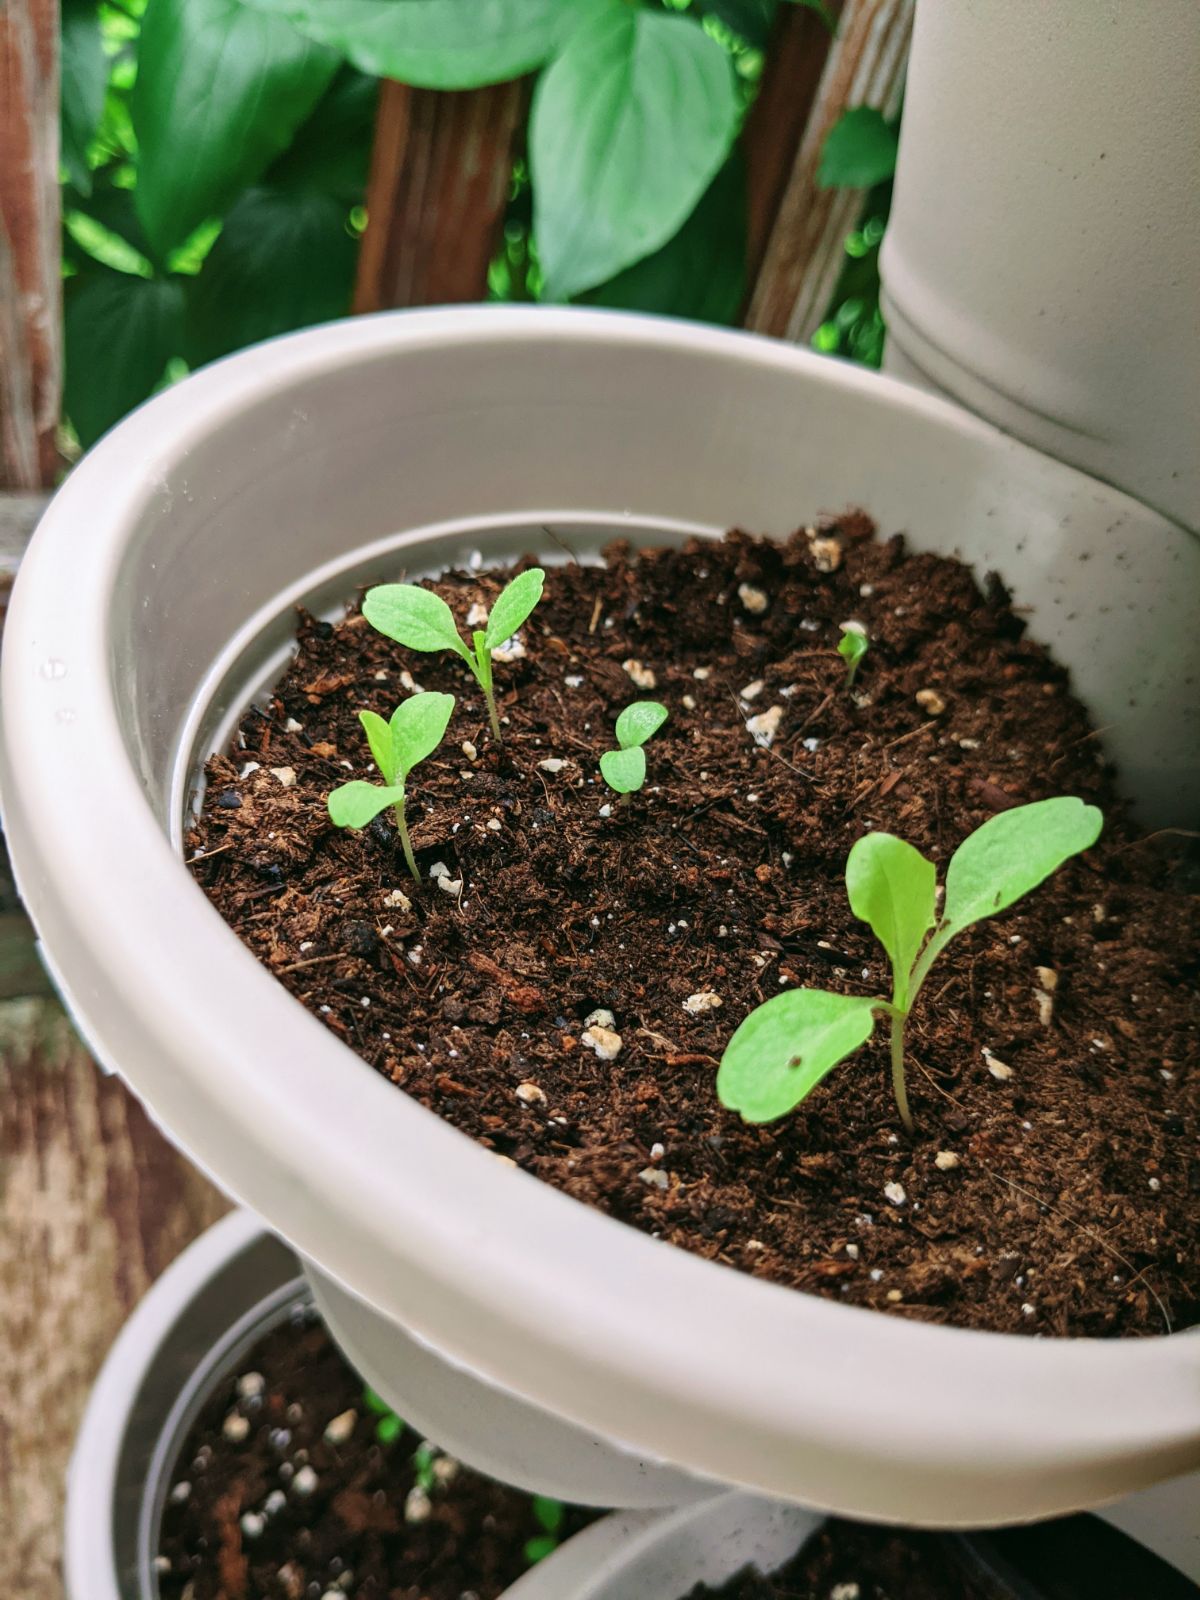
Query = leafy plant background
x=215 y=157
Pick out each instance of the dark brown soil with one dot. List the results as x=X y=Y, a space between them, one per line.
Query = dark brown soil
x=239 y=1525
x=1075 y=1203
x=851 y=1561
x=1071 y=1558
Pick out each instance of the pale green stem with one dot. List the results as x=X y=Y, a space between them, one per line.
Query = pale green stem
x=899 y=1087
x=405 y=841
x=626 y=798
x=481 y=663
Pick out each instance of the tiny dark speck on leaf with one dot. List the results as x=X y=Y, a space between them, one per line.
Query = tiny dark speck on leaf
x=230 y=800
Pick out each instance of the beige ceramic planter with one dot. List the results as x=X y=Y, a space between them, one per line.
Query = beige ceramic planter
x=1042 y=263
x=157 y=595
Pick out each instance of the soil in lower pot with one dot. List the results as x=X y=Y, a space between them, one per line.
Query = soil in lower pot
x=295 y=1483
x=853 y=1561
x=1048 y=1188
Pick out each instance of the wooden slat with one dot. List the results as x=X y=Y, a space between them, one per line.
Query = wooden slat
x=796 y=56
x=93 y=1206
x=30 y=322
x=804 y=253
x=439 y=184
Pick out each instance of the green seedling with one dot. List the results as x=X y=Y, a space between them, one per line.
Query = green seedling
x=549 y=1515
x=624 y=769
x=421 y=620
x=388 y=1426
x=783 y=1049
x=853 y=647
x=417 y=727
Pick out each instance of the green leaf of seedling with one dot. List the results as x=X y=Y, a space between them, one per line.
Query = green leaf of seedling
x=513 y=605
x=1011 y=854
x=355 y=804
x=624 y=770
x=413 y=617
x=549 y=1512
x=376 y=1403
x=639 y=722
x=379 y=737
x=423 y=1473
x=388 y=1429
x=784 y=1048
x=852 y=649
x=539 y=1547
x=418 y=727
x=859 y=150
x=891 y=886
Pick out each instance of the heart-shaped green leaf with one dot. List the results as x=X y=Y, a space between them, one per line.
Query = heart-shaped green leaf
x=784 y=1048
x=283 y=260
x=639 y=722
x=436 y=44
x=355 y=804
x=891 y=886
x=624 y=770
x=513 y=606
x=121 y=331
x=413 y=617
x=859 y=150
x=418 y=726
x=1012 y=853
x=628 y=127
x=84 y=75
x=220 y=91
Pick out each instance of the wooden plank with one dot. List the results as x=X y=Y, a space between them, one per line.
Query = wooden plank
x=796 y=56
x=30 y=299
x=19 y=516
x=438 y=188
x=94 y=1205
x=804 y=253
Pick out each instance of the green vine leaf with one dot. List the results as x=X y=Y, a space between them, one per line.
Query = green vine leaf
x=84 y=70
x=629 y=126
x=859 y=150
x=436 y=44
x=220 y=91
x=120 y=332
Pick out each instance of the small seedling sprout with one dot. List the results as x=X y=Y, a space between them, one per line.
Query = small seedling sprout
x=389 y=1426
x=549 y=1515
x=421 y=620
x=853 y=647
x=417 y=727
x=624 y=769
x=784 y=1048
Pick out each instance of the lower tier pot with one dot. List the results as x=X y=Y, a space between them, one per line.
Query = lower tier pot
x=237 y=1282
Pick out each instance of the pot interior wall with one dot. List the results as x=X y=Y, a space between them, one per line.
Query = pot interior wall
x=387 y=460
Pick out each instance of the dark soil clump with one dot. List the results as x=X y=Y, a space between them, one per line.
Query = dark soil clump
x=304 y=1505
x=1052 y=1053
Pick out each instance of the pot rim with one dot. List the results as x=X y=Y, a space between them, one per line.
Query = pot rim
x=92 y=1568
x=707 y=1374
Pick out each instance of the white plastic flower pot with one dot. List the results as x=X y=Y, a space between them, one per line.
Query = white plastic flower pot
x=235 y=1284
x=583 y=1356
x=1042 y=260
